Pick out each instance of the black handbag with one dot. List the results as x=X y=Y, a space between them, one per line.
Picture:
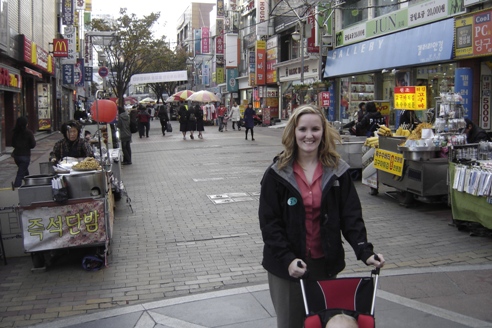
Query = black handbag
x=169 y=127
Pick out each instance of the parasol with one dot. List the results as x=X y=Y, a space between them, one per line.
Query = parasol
x=182 y=95
x=147 y=100
x=203 y=96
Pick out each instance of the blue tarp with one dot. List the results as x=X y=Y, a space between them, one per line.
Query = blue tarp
x=417 y=46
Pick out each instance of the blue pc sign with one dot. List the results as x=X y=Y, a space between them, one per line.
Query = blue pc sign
x=103 y=71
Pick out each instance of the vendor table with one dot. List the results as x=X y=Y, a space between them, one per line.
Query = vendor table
x=470 y=208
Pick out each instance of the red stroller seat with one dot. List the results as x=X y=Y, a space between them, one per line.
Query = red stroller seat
x=352 y=296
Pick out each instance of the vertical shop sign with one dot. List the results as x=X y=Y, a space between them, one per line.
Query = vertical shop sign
x=261 y=17
x=313 y=27
x=68 y=12
x=252 y=69
x=220 y=8
x=463 y=78
x=205 y=40
x=219 y=39
x=88 y=49
x=220 y=75
x=232 y=85
x=485 y=102
x=231 y=51
x=206 y=74
x=271 y=60
x=88 y=73
x=197 y=33
x=260 y=62
x=67 y=72
x=70 y=36
x=324 y=99
x=331 y=109
x=79 y=73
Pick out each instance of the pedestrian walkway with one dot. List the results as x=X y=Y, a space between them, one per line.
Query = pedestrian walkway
x=406 y=298
x=437 y=276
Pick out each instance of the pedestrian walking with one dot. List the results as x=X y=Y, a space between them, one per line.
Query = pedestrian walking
x=183 y=120
x=143 y=117
x=192 y=121
x=163 y=118
x=22 y=142
x=221 y=112
x=235 y=116
x=307 y=202
x=199 y=121
x=125 y=135
x=249 y=121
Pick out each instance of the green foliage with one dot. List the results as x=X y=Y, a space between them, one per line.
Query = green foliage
x=130 y=50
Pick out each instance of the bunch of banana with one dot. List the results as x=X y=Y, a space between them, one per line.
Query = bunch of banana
x=372 y=142
x=384 y=131
x=401 y=132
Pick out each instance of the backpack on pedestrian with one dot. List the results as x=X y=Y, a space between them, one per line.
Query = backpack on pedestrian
x=192 y=116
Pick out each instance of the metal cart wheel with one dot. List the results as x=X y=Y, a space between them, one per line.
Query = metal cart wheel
x=373 y=192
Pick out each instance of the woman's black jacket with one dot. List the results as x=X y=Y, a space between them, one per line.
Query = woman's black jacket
x=282 y=220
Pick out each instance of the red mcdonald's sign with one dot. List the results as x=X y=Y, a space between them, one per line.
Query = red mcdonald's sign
x=60 y=47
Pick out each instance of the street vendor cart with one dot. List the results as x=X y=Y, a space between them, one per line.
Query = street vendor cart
x=82 y=218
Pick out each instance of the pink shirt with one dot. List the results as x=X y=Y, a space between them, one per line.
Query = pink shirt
x=311 y=197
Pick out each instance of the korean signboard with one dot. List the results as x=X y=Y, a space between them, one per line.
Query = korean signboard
x=260 y=62
x=68 y=16
x=388 y=161
x=410 y=98
x=485 y=93
x=473 y=35
x=205 y=40
x=463 y=80
x=71 y=225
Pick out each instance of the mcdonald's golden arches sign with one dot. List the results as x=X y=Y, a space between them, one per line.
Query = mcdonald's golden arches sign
x=60 y=47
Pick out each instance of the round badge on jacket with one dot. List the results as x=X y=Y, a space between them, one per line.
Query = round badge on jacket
x=291 y=201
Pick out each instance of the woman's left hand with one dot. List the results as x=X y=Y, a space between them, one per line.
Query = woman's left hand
x=376 y=263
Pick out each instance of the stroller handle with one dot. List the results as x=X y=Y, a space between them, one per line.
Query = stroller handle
x=306 y=308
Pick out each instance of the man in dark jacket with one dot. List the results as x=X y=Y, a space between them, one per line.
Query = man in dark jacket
x=163 y=118
x=474 y=133
x=125 y=135
x=370 y=121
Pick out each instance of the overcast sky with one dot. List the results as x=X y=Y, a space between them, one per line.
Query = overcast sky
x=170 y=11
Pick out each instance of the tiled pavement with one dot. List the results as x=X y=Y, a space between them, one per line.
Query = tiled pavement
x=180 y=252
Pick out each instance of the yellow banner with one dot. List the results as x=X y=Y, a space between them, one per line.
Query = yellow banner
x=388 y=161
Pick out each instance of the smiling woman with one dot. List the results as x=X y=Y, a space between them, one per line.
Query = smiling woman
x=308 y=188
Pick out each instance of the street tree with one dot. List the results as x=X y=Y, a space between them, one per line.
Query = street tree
x=164 y=60
x=129 y=51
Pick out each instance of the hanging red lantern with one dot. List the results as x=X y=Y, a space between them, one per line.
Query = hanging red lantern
x=104 y=110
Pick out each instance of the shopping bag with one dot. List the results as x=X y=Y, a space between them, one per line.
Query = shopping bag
x=169 y=127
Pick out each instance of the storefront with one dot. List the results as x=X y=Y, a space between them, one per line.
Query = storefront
x=371 y=69
x=10 y=102
x=296 y=89
x=39 y=85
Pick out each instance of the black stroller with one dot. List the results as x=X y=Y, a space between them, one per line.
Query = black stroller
x=352 y=296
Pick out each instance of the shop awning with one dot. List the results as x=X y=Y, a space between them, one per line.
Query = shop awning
x=417 y=46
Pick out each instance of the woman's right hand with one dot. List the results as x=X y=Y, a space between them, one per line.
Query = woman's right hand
x=296 y=270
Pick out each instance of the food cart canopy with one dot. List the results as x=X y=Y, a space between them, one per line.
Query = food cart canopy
x=159 y=77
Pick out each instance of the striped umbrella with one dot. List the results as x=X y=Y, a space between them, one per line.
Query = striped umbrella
x=182 y=95
x=203 y=96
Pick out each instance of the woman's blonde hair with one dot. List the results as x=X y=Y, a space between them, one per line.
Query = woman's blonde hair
x=327 y=152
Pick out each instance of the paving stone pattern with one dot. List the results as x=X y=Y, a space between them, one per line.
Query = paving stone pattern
x=178 y=242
